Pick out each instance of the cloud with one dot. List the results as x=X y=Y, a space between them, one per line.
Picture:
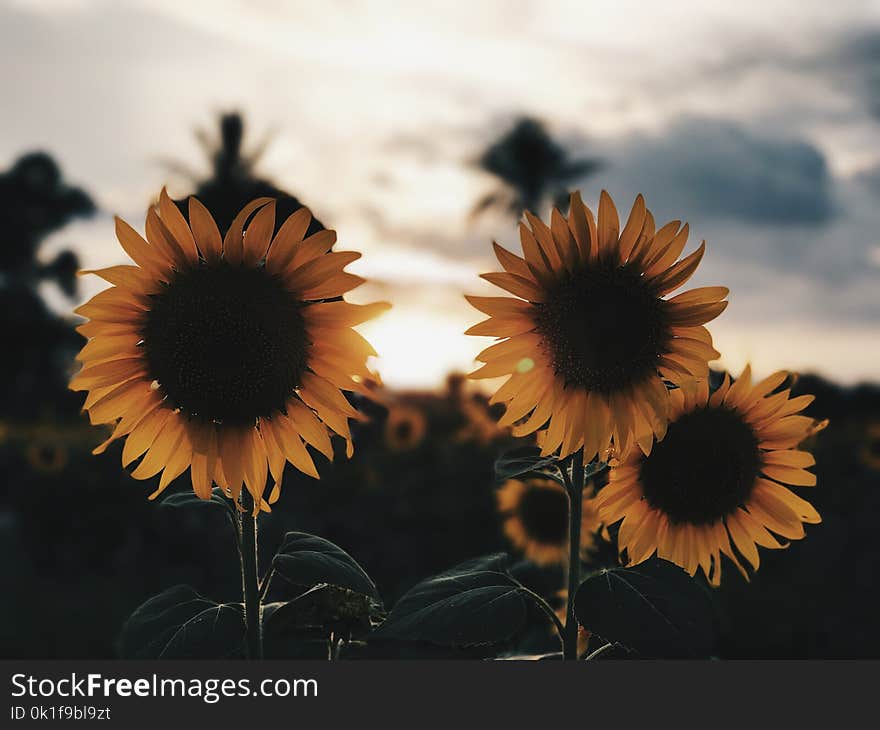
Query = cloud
x=705 y=167
x=794 y=241
x=858 y=55
x=870 y=178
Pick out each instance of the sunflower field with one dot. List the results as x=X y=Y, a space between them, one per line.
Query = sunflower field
x=518 y=338
x=296 y=507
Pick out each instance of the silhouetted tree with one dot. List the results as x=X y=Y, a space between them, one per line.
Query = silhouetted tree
x=35 y=202
x=233 y=182
x=532 y=168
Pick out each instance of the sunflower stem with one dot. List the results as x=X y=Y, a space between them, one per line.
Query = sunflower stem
x=250 y=585
x=575 y=488
x=264 y=585
x=548 y=611
x=601 y=650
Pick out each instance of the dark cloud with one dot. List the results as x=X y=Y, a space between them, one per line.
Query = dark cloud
x=783 y=232
x=870 y=179
x=858 y=57
x=704 y=167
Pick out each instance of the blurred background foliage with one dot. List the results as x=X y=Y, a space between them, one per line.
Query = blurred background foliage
x=82 y=547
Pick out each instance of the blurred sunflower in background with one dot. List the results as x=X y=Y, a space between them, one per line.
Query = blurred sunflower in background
x=405 y=428
x=479 y=423
x=224 y=356
x=590 y=337
x=47 y=456
x=717 y=481
x=535 y=512
x=871 y=447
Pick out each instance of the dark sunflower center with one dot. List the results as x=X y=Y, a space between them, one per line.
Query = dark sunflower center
x=704 y=468
x=226 y=343
x=605 y=328
x=403 y=430
x=544 y=515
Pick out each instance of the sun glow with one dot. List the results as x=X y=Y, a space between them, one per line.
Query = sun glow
x=419 y=347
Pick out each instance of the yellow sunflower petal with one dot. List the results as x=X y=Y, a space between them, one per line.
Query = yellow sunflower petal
x=285 y=244
x=677 y=275
x=205 y=231
x=139 y=250
x=233 y=243
x=580 y=221
x=517 y=285
x=782 y=495
x=791 y=458
x=313 y=276
x=510 y=262
x=790 y=475
x=609 y=225
x=177 y=225
x=258 y=235
x=634 y=224
x=161 y=450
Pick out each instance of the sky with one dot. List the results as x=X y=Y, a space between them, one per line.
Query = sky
x=756 y=122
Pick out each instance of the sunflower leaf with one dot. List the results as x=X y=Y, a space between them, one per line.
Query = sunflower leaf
x=653 y=608
x=181 y=624
x=526 y=461
x=308 y=560
x=292 y=627
x=477 y=603
x=322 y=606
x=189 y=498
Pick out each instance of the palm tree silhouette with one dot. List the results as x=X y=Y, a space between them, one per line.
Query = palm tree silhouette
x=34 y=203
x=233 y=182
x=531 y=167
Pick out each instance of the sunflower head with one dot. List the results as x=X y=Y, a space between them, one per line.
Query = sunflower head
x=870 y=452
x=480 y=424
x=405 y=428
x=227 y=355
x=589 y=336
x=47 y=456
x=535 y=513
x=718 y=483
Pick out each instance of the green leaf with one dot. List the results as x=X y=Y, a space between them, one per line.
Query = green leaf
x=526 y=461
x=181 y=624
x=189 y=498
x=654 y=608
x=308 y=560
x=474 y=604
x=300 y=628
x=320 y=607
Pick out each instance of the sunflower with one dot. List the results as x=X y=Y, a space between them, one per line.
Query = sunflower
x=716 y=483
x=871 y=447
x=47 y=456
x=535 y=512
x=480 y=425
x=405 y=428
x=590 y=337
x=224 y=356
